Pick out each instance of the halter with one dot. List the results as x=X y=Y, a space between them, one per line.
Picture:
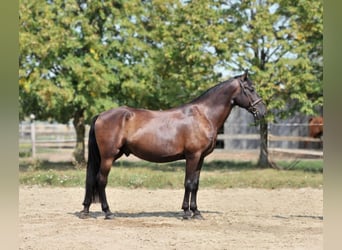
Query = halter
x=251 y=108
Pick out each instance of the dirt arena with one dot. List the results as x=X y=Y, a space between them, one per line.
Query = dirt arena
x=152 y=219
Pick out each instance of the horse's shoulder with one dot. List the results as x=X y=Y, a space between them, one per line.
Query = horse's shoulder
x=200 y=119
x=198 y=113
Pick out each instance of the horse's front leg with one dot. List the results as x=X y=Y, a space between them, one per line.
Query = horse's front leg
x=193 y=202
x=185 y=206
x=191 y=183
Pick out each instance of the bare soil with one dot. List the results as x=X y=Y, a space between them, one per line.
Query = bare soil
x=152 y=219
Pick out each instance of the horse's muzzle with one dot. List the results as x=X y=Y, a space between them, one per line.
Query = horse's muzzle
x=258 y=109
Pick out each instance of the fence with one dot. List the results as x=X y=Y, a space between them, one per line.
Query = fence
x=42 y=137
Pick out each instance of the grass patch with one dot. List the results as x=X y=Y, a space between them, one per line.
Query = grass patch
x=313 y=166
x=215 y=174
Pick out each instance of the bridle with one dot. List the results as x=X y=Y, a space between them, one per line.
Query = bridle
x=251 y=108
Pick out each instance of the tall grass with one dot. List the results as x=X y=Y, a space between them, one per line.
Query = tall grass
x=216 y=174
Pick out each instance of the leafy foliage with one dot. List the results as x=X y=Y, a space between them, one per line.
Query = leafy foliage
x=92 y=56
x=79 y=55
x=62 y=67
x=281 y=42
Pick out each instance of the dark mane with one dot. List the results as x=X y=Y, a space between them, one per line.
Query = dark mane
x=213 y=90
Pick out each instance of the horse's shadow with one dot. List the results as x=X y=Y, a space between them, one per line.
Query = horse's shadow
x=299 y=216
x=156 y=214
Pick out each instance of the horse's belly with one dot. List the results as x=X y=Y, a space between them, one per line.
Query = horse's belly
x=158 y=159
x=156 y=155
x=156 y=150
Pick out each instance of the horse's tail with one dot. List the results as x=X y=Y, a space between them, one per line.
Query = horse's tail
x=93 y=165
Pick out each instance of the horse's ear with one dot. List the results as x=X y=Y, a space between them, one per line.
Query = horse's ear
x=245 y=75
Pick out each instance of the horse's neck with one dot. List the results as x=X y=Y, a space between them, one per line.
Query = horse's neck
x=217 y=109
x=217 y=104
x=219 y=115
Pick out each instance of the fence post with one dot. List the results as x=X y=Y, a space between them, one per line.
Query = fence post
x=33 y=136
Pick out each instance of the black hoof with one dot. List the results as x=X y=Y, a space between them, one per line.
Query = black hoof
x=109 y=216
x=197 y=217
x=187 y=215
x=84 y=215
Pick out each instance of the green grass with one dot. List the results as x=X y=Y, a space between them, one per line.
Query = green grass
x=315 y=166
x=216 y=174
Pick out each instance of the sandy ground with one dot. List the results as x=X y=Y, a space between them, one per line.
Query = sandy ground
x=152 y=219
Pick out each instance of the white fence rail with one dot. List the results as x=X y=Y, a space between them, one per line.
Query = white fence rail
x=42 y=135
x=270 y=137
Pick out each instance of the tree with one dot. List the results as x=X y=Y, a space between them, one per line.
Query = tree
x=180 y=43
x=281 y=42
x=63 y=64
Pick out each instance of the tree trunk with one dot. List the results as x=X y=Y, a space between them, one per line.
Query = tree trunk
x=264 y=161
x=80 y=134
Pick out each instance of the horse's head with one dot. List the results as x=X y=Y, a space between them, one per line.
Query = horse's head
x=248 y=98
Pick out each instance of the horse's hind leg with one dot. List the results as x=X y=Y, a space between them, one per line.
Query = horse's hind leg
x=102 y=179
x=86 y=203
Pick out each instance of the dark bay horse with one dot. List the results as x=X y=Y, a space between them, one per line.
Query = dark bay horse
x=316 y=130
x=187 y=132
x=316 y=127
